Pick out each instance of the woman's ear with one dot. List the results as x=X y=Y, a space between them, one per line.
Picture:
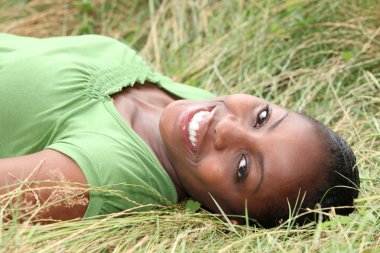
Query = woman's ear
x=233 y=220
x=236 y=222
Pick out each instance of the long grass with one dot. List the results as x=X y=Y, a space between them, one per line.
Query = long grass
x=319 y=57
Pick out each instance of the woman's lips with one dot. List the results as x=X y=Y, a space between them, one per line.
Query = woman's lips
x=193 y=124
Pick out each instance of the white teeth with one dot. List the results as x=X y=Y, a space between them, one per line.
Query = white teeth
x=199 y=115
x=192 y=132
x=194 y=125
x=193 y=140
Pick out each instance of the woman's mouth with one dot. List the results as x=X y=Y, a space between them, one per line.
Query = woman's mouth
x=193 y=124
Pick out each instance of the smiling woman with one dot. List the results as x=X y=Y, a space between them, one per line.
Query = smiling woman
x=98 y=116
x=251 y=153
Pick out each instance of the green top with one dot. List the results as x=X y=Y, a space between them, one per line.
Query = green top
x=55 y=93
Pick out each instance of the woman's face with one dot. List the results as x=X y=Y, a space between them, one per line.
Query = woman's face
x=241 y=149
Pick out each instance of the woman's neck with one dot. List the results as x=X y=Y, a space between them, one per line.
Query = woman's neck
x=141 y=107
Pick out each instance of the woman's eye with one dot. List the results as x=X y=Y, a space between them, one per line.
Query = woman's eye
x=242 y=168
x=262 y=117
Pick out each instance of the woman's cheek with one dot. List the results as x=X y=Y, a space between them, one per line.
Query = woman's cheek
x=212 y=174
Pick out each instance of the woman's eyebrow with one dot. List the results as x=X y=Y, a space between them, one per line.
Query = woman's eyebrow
x=260 y=155
x=275 y=124
x=261 y=167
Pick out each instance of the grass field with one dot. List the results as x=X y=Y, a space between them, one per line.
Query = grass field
x=319 y=57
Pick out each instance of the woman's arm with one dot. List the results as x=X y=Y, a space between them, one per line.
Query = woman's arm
x=61 y=199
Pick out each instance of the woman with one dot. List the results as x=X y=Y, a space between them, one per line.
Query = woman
x=95 y=114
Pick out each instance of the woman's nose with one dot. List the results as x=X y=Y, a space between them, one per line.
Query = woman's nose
x=229 y=131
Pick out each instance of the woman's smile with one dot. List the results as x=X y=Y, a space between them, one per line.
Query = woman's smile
x=193 y=124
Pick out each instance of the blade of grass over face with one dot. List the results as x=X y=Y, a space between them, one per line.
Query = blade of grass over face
x=318 y=57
